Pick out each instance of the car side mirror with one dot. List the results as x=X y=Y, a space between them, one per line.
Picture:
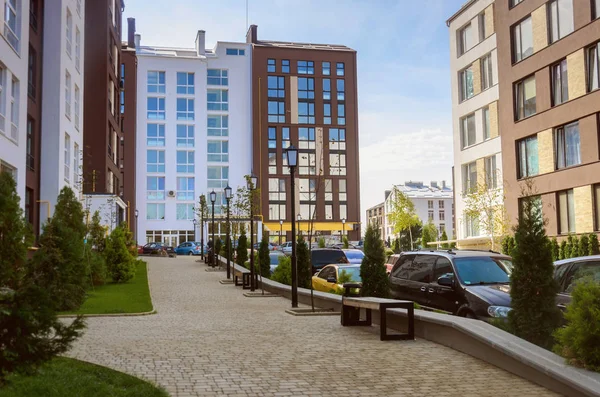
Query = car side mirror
x=331 y=280
x=446 y=281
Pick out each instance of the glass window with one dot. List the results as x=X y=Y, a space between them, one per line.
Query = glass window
x=560 y=84
x=185 y=161
x=465 y=39
x=342 y=190
x=217 y=77
x=67 y=160
x=218 y=125
x=155 y=135
x=156 y=82
x=185 y=135
x=326 y=113
x=31 y=73
x=341 y=90
x=567 y=145
x=155 y=187
x=185 y=83
x=76 y=108
x=593 y=65
x=306 y=112
x=339 y=69
x=285 y=139
x=234 y=51
x=327 y=89
x=185 y=109
x=522 y=37
x=467 y=130
x=67 y=94
x=185 y=188
x=469 y=177
x=560 y=17
x=155 y=211
x=422 y=268
x=328 y=190
x=270 y=66
x=277 y=189
x=285 y=66
x=185 y=211
x=69 y=27
x=465 y=79
x=276 y=111
x=306 y=67
x=430 y=215
x=514 y=2
x=487 y=80
x=337 y=139
x=12 y=14
x=306 y=88
x=482 y=270
x=596 y=8
x=486 y=123
x=341 y=109
x=528 y=157
x=443 y=268
x=156 y=108
x=326 y=68
x=155 y=161
x=491 y=174
x=597 y=206
x=276 y=86
x=525 y=96
x=272 y=158
x=272 y=132
x=30 y=146
x=337 y=164
x=77 y=48
x=217 y=99
x=306 y=138
x=566 y=212
x=430 y=204
x=307 y=164
x=218 y=151
x=471 y=226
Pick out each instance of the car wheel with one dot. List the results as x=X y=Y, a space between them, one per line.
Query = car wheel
x=189 y=253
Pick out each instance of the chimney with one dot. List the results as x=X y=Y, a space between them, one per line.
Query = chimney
x=443 y=184
x=201 y=42
x=252 y=35
x=434 y=184
x=131 y=32
x=138 y=39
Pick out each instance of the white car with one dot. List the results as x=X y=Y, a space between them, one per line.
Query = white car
x=286 y=248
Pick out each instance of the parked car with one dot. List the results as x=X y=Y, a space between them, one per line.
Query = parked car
x=354 y=255
x=274 y=259
x=321 y=257
x=286 y=248
x=151 y=248
x=189 y=248
x=568 y=271
x=341 y=246
x=272 y=246
x=391 y=261
x=328 y=278
x=471 y=284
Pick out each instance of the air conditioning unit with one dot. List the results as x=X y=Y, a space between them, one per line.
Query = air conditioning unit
x=171 y=193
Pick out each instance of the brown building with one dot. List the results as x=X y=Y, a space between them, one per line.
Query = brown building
x=376 y=217
x=548 y=66
x=306 y=95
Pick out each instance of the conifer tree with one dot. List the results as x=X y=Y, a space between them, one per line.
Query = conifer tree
x=444 y=238
x=263 y=256
x=555 y=249
x=242 y=248
x=584 y=245
x=563 y=250
x=375 y=281
x=303 y=263
x=397 y=246
x=120 y=263
x=594 y=248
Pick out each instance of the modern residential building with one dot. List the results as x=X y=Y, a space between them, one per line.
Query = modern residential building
x=14 y=50
x=376 y=217
x=477 y=142
x=194 y=133
x=61 y=100
x=306 y=95
x=549 y=101
x=433 y=203
x=103 y=138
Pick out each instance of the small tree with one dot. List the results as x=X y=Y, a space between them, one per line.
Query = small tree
x=535 y=315
x=575 y=247
x=593 y=245
x=444 y=238
x=321 y=242
x=396 y=246
x=263 y=256
x=345 y=243
x=242 y=248
x=283 y=271
x=584 y=245
x=403 y=215
x=563 y=250
x=119 y=261
x=375 y=281
x=97 y=233
x=555 y=249
x=303 y=263
x=569 y=247
x=429 y=234
x=96 y=265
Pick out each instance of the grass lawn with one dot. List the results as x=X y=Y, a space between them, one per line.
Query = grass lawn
x=67 y=377
x=131 y=297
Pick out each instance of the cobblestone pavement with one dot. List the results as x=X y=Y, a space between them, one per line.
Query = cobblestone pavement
x=208 y=339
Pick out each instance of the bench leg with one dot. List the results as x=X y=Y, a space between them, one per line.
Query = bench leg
x=382 y=323
x=369 y=320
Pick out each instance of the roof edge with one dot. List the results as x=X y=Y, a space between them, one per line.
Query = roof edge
x=462 y=9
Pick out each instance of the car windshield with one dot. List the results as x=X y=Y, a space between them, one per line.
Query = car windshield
x=354 y=254
x=483 y=270
x=353 y=273
x=328 y=256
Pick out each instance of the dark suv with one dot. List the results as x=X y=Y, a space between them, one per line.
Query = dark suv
x=568 y=271
x=320 y=257
x=471 y=284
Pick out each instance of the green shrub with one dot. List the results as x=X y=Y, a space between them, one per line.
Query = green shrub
x=594 y=248
x=397 y=246
x=119 y=262
x=563 y=250
x=375 y=281
x=241 y=250
x=443 y=238
x=283 y=271
x=345 y=243
x=569 y=247
x=388 y=253
x=575 y=247
x=321 y=242
x=303 y=264
x=97 y=266
x=579 y=340
x=508 y=245
x=555 y=249
x=584 y=245
x=264 y=262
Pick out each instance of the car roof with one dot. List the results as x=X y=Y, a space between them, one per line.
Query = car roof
x=455 y=253
x=342 y=265
x=326 y=249
x=577 y=259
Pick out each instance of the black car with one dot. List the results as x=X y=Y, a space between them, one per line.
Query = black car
x=320 y=257
x=154 y=248
x=568 y=271
x=471 y=284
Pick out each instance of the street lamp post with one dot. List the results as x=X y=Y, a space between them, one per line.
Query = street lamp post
x=213 y=198
x=280 y=231
x=136 y=227
x=343 y=228
x=194 y=222
x=252 y=181
x=299 y=228
x=292 y=161
x=227 y=239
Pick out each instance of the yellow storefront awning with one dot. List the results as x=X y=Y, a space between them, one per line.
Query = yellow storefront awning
x=305 y=226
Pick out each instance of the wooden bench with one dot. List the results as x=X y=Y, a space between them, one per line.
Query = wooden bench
x=244 y=275
x=351 y=306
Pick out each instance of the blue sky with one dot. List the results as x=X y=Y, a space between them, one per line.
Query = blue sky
x=405 y=128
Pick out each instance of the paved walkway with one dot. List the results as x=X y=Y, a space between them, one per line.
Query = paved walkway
x=208 y=339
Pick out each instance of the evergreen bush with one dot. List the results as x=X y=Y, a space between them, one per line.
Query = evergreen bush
x=445 y=238
x=593 y=244
x=283 y=271
x=555 y=249
x=97 y=271
x=97 y=233
x=242 y=249
x=120 y=263
x=263 y=256
x=563 y=250
x=584 y=245
x=388 y=253
x=303 y=264
x=375 y=281
x=321 y=242
x=345 y=243
x=575 y=247
x=397 y=246
x=569 y=247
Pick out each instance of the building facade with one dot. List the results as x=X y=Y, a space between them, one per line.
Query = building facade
x=376 y=218
x=193 y=134
x=477 y=142
x=62 y=96
x=549 y=101
x=14 y=49
x=306 y=95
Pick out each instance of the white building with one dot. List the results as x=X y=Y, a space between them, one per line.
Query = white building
x=474 y=77
x=14 y=45
x=62 y=94
x=193 y=133
x=433 y=203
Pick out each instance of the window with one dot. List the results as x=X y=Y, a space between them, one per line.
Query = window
x=276 y=87
x=567 y=146
x=217 y=77
x=67 y=159
x=11 y=23
x=218 y=125
x=307 y=163
x=155 y=161
x=29 y=205
x=485 y=112
x=560 y=89
x=76 y=165
x=156 y=108
x=525 y=98
x=306 y=112
x=430 y=204
x=235 y=51
x=277 y=189
x=306 y=138
x=430 y=215
x=465 y=39
x=285 y=66
x=308 y=191
x=593 y=66
x=440 y=204
x=337 y=164
x=31 y=73
x=597 y=206
x=2 y=101
x=185 y=83
x=326 y=68
x=185 y=211
x=326 y=113
x=217 y=177
x=111 y=97
x=185 y=161
x=272 y=132
x=341 y=90
x=185 y=109
x=566 y=212
x=76 y=107
x=560 y=18
x=342 y=190
x=471 y=226
x=596 y=9
x=218 y=151
x=514 y=2
x=328 y=190
x=156 y=82
x=276 y=212
x=341 y=113
x=306 y=88
x=337 y=139
x=339 y=69
x=185 y=188
x=78 y=7
x=487 y=79
x=67 y=95
x=155 y=135
x=285 y=139
x=155 y=187
x=69 y=28
x=14 y=109
x=272 y=158
x=30 y=146
x=327 y=89
x=185 y=135
x=217 y=100
x=271 y=65
x=465 y=79
x=528 y=157
x=277 y=111
x=77 y=48
x=33 y=14
x=306 y=67
x=441 y=215
x=155 y=211
x=467 y=130
x=469 y=178
x=491 y=175
x=481 y=21
x=522 y=38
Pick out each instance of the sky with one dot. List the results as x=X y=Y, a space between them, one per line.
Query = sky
x=404 y=102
